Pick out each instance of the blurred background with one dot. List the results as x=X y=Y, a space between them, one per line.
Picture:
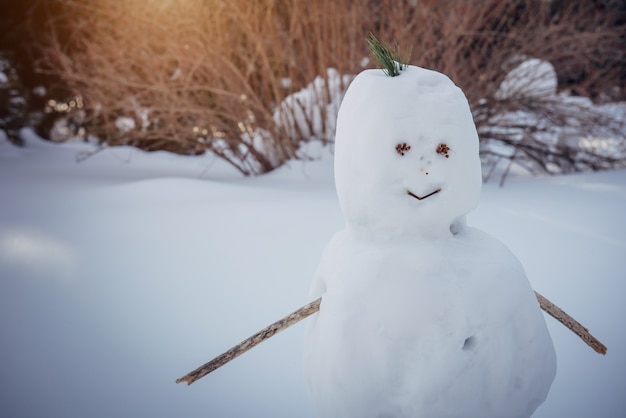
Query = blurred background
x=250 y=81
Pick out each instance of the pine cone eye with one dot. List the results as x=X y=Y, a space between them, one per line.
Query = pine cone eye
x=402 y=148
x=443 y=149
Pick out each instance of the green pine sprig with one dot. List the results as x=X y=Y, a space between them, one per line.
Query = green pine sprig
x=391 y=62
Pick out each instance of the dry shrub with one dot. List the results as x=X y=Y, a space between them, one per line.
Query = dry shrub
x=198 y=75
x=209 y=75
x=477 y=43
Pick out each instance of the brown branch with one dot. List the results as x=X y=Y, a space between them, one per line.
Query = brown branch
x=252 y=341
x=314 y=306
x=573 y=325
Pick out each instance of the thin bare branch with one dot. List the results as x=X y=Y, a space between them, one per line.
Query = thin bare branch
x=252 y=341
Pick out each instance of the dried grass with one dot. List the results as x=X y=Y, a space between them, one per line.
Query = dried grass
x=208 y=75
x=198 y=75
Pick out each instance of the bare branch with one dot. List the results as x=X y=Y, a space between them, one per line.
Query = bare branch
x=252 y=341
x=573 y=325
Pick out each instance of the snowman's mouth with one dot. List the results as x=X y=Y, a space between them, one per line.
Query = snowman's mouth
x=410 y=193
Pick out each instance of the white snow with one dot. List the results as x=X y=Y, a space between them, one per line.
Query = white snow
x=39 y=91
x=312 y=111
x=133 y=268
x=420 y=315
x=533 y=77
x=125 y=124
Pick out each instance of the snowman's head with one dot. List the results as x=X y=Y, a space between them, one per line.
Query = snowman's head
x=406 y=154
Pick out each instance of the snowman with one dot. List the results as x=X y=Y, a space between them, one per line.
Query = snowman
x=420 y=315
x=415 y=314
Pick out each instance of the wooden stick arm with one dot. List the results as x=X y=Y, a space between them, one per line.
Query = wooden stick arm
x=252 y=341
x=573 y=325
x=314 y=306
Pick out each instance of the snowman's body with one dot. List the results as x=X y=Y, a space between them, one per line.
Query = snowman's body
x=421 y=316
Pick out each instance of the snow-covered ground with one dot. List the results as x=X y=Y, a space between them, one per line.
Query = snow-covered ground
x=125 y=271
